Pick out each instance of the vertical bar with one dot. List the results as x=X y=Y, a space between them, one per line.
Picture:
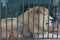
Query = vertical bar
x=0 y=23
x=43 y=19
x=53 y=19
x=28 y=15
x=6 y=20
x=33 y=18
x=57 y=27
x=52 y=14
x=38 y=17
x=57 y=21
x=49 y=4
x=23 y=17
x=17 y=20
x=12 y=24
x=58 y=10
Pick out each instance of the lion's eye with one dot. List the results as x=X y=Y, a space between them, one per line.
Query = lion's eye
x=51 y=20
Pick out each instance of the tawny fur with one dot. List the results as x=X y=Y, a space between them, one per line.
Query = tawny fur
x=24 y=24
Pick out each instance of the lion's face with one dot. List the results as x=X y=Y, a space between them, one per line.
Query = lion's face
x=45 y=21
x=42 y=18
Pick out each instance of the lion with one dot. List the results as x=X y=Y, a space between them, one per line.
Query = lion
x=31 y=22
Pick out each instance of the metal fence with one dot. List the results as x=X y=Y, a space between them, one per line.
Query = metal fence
x=15 y=10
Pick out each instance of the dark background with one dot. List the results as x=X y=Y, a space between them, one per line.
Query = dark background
x=11 y=6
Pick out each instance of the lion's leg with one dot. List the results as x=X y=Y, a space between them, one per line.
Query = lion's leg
x=14 y=34
x=4 y=35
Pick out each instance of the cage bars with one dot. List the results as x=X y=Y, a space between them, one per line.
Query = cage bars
x=33 y=18
x=38 y=17
x=17 y=21
x=28 y=15
x=0 y=22
x=23 y=17
x=6 y=23
x=49 y=5
x=43 y=19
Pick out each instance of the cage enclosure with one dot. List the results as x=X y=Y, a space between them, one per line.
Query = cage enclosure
x=29 y=19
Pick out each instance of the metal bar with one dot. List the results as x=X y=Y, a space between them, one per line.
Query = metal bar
x=38 y=17
x=12 y=24
x=43 y=19
x=28 y=15
x=57 y=25
x=53 y=20
x=0 y=23
x=58 y=10
x=53 y=16
x=33 y=18
x=48 y=15
x=58 y=22
x=17 y=21
x=23 y=17
x=50 y=7
x=6 y=23
x=57 y=29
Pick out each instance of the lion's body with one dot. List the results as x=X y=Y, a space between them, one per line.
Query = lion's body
x=32 y=22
